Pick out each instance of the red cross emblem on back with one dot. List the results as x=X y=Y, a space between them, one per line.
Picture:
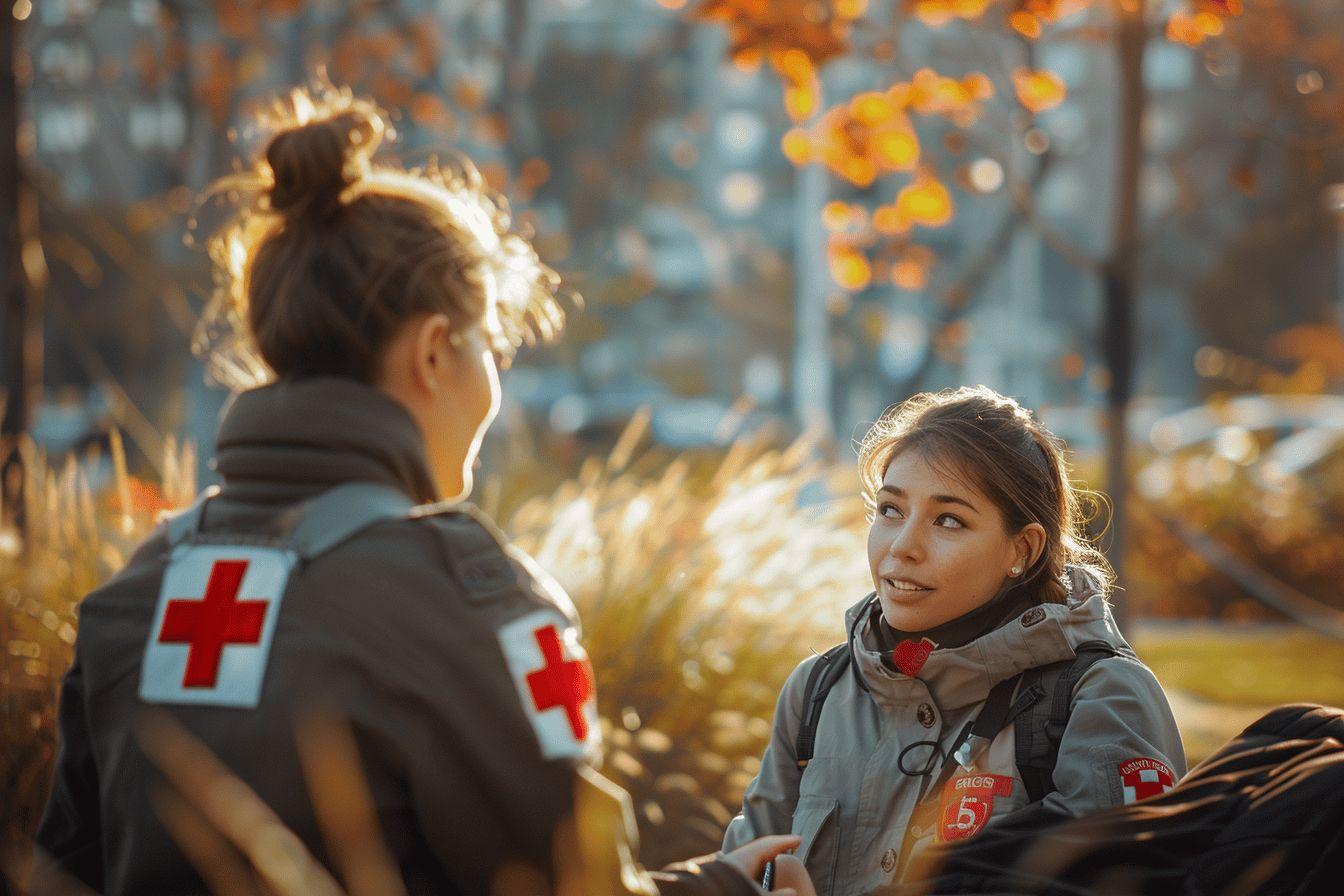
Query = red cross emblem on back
x=211 y=623
x=564 y=683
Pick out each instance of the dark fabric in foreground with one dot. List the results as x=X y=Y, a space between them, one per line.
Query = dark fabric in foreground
x=1263 y=815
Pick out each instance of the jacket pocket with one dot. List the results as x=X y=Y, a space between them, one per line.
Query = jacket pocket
x=817 y=821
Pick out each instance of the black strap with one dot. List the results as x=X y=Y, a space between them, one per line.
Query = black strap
x=825 y=672
x=977 y=734
x=999 y=709
x=1038 y=737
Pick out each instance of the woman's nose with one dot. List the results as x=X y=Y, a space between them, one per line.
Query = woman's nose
x=906 y=543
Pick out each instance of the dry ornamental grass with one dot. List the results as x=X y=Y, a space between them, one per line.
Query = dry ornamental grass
x=701 y=582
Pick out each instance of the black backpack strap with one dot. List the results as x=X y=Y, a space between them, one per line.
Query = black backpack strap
x=1038 y=735
x=825 y=672
x=998 y=710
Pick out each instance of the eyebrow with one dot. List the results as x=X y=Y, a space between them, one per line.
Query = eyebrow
x=941 y=499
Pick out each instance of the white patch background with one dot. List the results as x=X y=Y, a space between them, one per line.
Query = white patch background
x=523 y=654
x=242 y=667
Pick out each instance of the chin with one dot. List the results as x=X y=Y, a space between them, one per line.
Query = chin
x=906 y=618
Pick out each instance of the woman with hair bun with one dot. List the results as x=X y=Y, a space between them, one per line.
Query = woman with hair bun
x=984 y=673
x=365 y=309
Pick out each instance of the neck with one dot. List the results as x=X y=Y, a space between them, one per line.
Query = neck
x=964 y=629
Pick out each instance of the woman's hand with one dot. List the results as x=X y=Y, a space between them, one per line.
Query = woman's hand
x=791 y=877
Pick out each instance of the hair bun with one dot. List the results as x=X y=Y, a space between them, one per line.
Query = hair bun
x=311 y=164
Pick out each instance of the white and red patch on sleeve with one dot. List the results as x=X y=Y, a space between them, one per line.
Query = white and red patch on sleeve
x=555 y=683
x=968 y=801
x=211 y=636
x=1142 y=777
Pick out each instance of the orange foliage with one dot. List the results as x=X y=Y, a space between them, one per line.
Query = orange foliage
x=1304 y=344
x=144 y=499
x=930 y=93
x=1029 y=17
x=888 y=220
x=797 y=36
x=797 y=146
x=468 y=93
x=392 y=90
x=429 y=111
x=872 y=134
x=849 y=266
x=215 y=84
x=911 y=271
x=145 y=58
x=1205 y=19
x=1039 y=90
x=860 y=140
x=939 y=12
x=835 y=215
x=925 y=201
x=533 y=173
x=425 y=40
x=1025 y=24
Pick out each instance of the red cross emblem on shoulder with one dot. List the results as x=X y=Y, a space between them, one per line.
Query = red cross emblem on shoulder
x=567 y=684
x=210 y=639
x=554 y=680
x=1142 y=777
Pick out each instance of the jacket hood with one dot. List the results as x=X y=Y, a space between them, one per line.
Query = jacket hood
x=960 y=676
x=291 y=439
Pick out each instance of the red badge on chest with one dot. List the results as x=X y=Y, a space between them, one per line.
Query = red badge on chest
x=968 y=801
x=909 y=655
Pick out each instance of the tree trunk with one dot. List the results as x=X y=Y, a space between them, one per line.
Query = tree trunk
x=1120 y=273
x=22 y=359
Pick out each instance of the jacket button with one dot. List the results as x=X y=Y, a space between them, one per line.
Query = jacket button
x=925 y=715
x=1032 y=616
x=889 y=861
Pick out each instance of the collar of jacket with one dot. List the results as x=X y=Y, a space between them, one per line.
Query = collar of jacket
x=962 y=676
x=292 y=439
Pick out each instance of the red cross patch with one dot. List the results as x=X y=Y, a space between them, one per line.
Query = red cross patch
x=1143 y=777
x=555 y=682
x=968 y=801
x=211 y=634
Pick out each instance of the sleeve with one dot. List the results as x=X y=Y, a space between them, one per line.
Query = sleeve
x=707 y=876
x=475 y=693
x=69 y=836
x=1121 y=743
x=767 y=806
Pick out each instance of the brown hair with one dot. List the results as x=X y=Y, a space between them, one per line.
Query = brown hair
x=331 y=252
x=993 y=442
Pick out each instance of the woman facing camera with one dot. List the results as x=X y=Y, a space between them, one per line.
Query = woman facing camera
x=333 y=571
x=983 y=674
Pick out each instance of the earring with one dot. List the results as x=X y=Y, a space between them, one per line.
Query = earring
x=1015 y=571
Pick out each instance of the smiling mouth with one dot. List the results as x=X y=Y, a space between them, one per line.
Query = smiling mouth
x=907 y=587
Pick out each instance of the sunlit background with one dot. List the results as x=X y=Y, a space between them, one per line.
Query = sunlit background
x=782 y=216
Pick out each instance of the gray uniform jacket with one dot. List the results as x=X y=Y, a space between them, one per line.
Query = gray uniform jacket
x=456 y=663
x=853 y=802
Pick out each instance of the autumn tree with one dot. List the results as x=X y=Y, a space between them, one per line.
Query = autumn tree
x=953 y=121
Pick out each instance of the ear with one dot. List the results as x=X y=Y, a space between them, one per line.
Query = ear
x=432 y=352
x=1029 y=543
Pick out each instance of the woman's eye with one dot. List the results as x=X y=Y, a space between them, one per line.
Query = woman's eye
x=890 y=511
x=948 y=521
